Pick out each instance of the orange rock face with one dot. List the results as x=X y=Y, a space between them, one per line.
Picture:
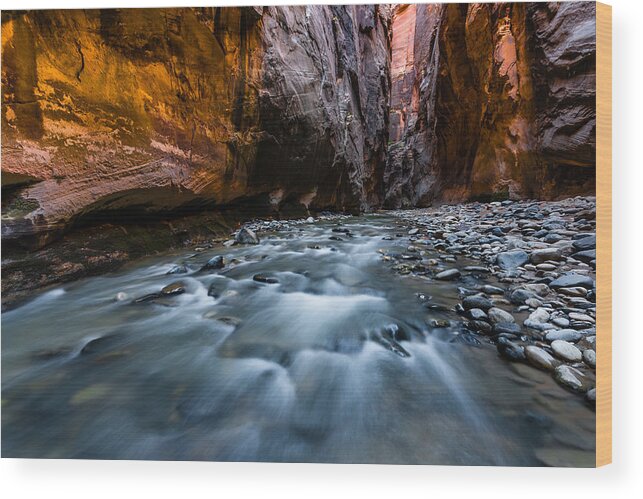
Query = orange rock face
x=497 y=102
x=134 y=112
x=123 y=114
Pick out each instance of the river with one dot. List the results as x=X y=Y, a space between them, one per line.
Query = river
x=335 y=359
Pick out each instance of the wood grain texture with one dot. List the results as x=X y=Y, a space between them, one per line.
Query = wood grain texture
x=604 y=234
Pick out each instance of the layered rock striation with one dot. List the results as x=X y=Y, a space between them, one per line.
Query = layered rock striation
x=491 y=101
x=127 y=114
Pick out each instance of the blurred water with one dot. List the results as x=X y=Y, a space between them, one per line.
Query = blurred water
x=334 y=363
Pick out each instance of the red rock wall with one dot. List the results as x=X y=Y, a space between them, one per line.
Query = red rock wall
x=499 y=103
x=139 y=113
x=145 y=112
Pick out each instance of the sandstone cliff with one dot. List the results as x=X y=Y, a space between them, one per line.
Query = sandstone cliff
x=121 y=114
x=122 y=117
x=491 y=101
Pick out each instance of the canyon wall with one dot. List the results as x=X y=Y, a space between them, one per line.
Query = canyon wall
x=490 y=101
x=128 y=115
x=124 y=114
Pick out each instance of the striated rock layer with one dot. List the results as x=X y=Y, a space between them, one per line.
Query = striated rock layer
x=491 y=101
x=120 y=114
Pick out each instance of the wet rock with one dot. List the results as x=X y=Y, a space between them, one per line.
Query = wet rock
x=176 y=288
x=497 y=315
x=572 y=280
x=387 y=341
x=519 y=296
x=576 y=316
x=510 y=350
x=510 y=260
x=586 y=243
x=561 y=322
x=589 y=357
x=585 y=256
x=492 y=290
x=477 y=314
x=566 y=351
x=448 y=275
x=477 y=269
x=542 y=255
x=480 y=326
x=214 y=263
x=246 y=236
x=569 y=377
x=265 y=279
x=510 y=328
x=540 y=358
x=477 y=301
x=178 y=269
x=590 y=396
x=533 y=303
x=148 y=297
x=564 y=334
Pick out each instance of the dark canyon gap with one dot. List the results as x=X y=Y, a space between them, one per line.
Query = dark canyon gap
x=288 y=110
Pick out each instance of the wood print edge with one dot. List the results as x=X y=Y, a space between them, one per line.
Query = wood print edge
x=604 y=233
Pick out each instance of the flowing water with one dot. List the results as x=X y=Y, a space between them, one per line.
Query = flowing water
x=335 y=362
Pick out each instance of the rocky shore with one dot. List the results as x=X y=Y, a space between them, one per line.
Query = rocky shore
x=524 y=270
x=527 y=275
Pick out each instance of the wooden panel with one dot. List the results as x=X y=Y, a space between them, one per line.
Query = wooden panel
x=604 y=234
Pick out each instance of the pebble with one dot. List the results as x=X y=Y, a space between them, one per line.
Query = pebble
x=581 y=317
x=448 y=275
x=510 y=260
x=561 y=322
x=214 y=263
x=540 y=256
x=492 y=290
x=572 y=280
x=586 y=243
x=477 y=314
x=566 y=351
x=539 y=358
x=246 y=236
x=510 y=350
x=477 y=301
x=497 y=315
x=569 y=377
x=510 y=328
x=589 y=357
x=177 y=269
x=564 y=335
